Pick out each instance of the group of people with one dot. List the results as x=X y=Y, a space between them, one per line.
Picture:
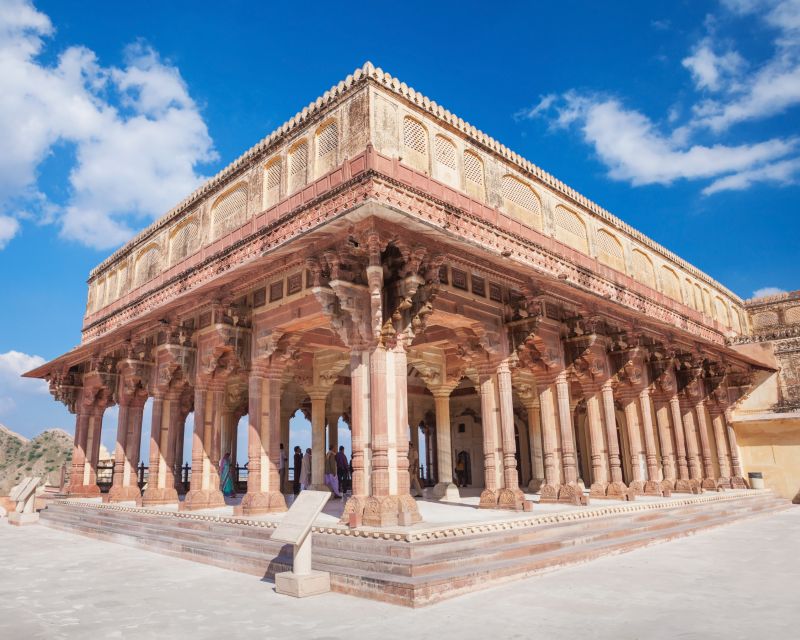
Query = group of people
x=337 y=470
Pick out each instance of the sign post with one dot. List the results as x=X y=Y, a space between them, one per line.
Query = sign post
x=295 y=529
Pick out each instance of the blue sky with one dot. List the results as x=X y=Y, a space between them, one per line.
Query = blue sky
x=679 y=117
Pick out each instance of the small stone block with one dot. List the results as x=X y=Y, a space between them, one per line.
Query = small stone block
x=405 y=519
x=22 y=519
x=300 y=586
x=355 y=520
x=527 y=505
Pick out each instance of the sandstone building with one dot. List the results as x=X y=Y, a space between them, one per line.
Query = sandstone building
x=378 y=259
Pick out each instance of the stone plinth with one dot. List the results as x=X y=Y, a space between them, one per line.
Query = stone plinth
x=301 y=586
x=22 y=519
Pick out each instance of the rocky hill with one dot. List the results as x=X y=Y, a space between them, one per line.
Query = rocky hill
x=42 y=456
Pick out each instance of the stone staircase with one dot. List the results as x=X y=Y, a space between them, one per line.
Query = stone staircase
x=412 y=567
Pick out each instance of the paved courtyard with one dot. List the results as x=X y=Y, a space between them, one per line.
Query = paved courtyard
x=738 y=581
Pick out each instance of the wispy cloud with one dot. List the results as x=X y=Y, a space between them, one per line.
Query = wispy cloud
x=137 y=133
x=637 y=149
x=767 y=291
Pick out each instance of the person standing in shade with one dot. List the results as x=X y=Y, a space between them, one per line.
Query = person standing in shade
x=305 y=470
x=413 y=471
x=282 y=468
x=342 y=469
x=298 y=467
x=331 y=472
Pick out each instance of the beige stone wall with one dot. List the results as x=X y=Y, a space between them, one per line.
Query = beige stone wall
x=773 y=448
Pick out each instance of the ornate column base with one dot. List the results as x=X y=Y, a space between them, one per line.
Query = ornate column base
x=548 y=493
x=636 y=488
x=488 y=499
x=667 y=485
x=261 y=502
x=535 y=484
x=652 y=488
x=386 y=511
x=202 y=499
x=710 y=484
x=572 y=493
x=446 y=491
x=511 y=500
x=683 y=486
x=618 y=491
x=724 y=483
x=84 y=491
x=154 y=496
x=738 y=482
x=598 y=490
x=123 y=494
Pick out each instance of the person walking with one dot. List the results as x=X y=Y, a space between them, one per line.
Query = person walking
x=342 y=470
x=331 y=472
x=305 y=470
x=413 y=471
x=298 y=467
x=282 y=468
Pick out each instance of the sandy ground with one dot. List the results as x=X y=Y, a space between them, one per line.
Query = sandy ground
x=738 y=581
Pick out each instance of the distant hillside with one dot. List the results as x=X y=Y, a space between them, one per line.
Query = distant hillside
x=42 y=456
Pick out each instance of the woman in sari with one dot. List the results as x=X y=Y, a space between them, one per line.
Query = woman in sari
x=226 y=476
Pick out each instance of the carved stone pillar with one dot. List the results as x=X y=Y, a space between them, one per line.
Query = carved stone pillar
x=570 y=492
x=653 y=485
x=165 y=416
x=132 y=396
x=263 y=442
x=692 y=450
x=444 y=489
x=318 y=400
x=594 y=421
x=718 y=423
x=204 y=491
x=489 y=419
x=535 y=440
x=333 y=432
x=510 y=496
x=737 y=478
x=549 y=490
x=682 y=483
x=667 y=455
x=629 y=405
x=616 y=488
x=709 y=481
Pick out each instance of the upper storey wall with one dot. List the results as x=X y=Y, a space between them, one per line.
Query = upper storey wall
x=439 y=147
x=288 y=161
x=371 y=106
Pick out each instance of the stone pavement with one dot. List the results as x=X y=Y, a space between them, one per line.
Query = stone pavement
x=737 y=581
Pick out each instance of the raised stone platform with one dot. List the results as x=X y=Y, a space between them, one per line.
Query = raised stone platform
x=456 y=549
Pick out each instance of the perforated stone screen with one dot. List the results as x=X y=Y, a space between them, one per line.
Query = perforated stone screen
x=298 y=159
x=272 y=183
x=671 y=283
x=792 y=315
x=473 y=168
x=609 y=250
x=229 y=212
x=111 y=287
x=415 y=137
x=765 y=319
x=521 y=199
x=327 y=139
x=643 y=269
x=184 y=241
x=570 y=229
x=147 y=265
x=445 y=152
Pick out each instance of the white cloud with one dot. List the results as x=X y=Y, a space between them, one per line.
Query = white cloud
x=12 y=365
x=639 y=150
x=767 y=291
x=138 y=136
x=634 y=150
x=710 y=70
x=8 y=229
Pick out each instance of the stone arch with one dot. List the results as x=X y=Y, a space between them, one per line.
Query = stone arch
x=327 y=146
x=273 y=174
x=184 y=239
x=147 y=265
x=721 y=310
x=445 y=165
x=521 y=201
x=474 y=177
x=229 y=211
x=415 y=144
x=643 y=269
x=298 y=165
x=571 y=229
x=100 y=294
x=609 y=250
x=111 y=287
x=670 y=284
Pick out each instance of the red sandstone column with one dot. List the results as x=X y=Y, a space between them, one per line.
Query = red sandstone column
x=595 y=424
x=79 y=451
x=616 y=488
x=718 y=423
x=549 y=490
x=510 y=497
x=682 y=483
x=116 y=491
x=318 y=399
x=653 y=484
x=399 y=380
x=570 y=491
x=634 y=442
x=667 y=460
x=535 y=441
x=359 y=421
x=126 y=456
x=489 y=416
x=204 y=491
x=737 y=478
x=445 y=487
x=709 y=481
x=379 y=423
x=692 y=453
x=160 y=483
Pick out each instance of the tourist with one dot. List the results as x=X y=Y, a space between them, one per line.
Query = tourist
x=298 y=465
x=342 y=470
x=461 y=477
x=413 y=471
x=226 y=476
x=282 y=468
x=331 y=472
x=305 y=471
